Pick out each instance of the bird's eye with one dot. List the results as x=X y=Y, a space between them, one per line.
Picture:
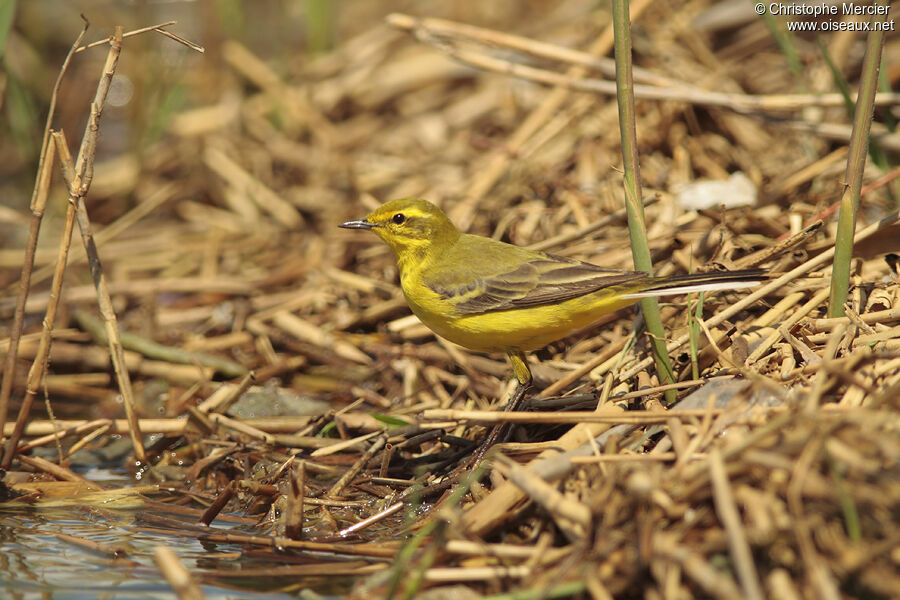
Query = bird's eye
x=398 y=219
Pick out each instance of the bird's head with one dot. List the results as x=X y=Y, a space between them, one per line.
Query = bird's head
x=410 y=226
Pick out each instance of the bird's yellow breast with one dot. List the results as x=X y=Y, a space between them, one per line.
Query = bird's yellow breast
x=522 y=329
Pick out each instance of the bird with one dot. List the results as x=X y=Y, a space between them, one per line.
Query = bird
x=491 y=296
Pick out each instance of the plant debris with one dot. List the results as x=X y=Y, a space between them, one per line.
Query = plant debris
x=288 y=406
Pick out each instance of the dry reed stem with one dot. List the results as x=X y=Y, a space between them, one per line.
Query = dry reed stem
x=728 y=513
x=306 y=331
x=218 y=504
x=360 y=463
x=494 y=508
x=222 y=285
x=178 y=577
x=64 y=433
x=79 y=175
x=801 y=312
x=38 y=203
x=634 y=416
x=242 y=427
x=767 y=254
x=87 y=439
x=572 y=517
x=245 y=183
x=344 y=444
x=38 y=366
x=296 y=493
x=497 y=574
x=174 y=426
x=110 y=40
x=59 y=472
x=233 y=395
x=428 y=28
x=116 y=552
x=377 y=517
x=381 y=550
x=710 y=580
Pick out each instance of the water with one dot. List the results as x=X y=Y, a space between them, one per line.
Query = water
x=36 y=563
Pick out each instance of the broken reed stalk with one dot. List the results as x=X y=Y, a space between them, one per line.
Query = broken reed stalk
x=572 y=517
x=377 y=517
x=494 y=508
x=637 y=228
x=78 y=177
x=293 y=527
x=856 y=162
x=360 y=463
x=38 y=202
x=178 y=577
x=218 y=504
x=38 y=367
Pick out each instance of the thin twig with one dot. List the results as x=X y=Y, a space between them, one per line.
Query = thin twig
x=110 y=39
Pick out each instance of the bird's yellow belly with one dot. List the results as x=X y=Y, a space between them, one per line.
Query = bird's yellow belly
x=522 y=328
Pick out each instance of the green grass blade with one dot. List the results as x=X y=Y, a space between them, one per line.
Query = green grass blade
x=839 y=80
x=876 y=152
x=856 y=162
x=7 y=15
x=320 y=17
x=637 y=228
x=785 y=41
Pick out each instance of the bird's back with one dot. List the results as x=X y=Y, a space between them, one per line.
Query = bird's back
x=489 y=295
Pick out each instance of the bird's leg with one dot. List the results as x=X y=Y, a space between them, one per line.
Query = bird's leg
x=523 y=375
x=501 y=431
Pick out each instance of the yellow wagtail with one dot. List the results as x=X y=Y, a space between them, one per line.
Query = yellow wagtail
x=492 y=296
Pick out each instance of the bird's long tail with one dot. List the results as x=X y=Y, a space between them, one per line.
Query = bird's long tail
x=698 y=282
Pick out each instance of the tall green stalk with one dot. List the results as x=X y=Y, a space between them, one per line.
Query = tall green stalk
x=7 y=15
x=856 y=162
x=637 y=228
x=785 y=40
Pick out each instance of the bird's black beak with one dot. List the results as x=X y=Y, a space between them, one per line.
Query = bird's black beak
x=357 y=224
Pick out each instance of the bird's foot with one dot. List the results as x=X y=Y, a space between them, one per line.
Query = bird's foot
x=499 y=433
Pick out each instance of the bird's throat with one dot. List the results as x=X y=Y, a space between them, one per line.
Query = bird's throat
x=413 y=257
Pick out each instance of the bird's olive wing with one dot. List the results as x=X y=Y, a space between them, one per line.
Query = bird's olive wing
x=544 y=279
